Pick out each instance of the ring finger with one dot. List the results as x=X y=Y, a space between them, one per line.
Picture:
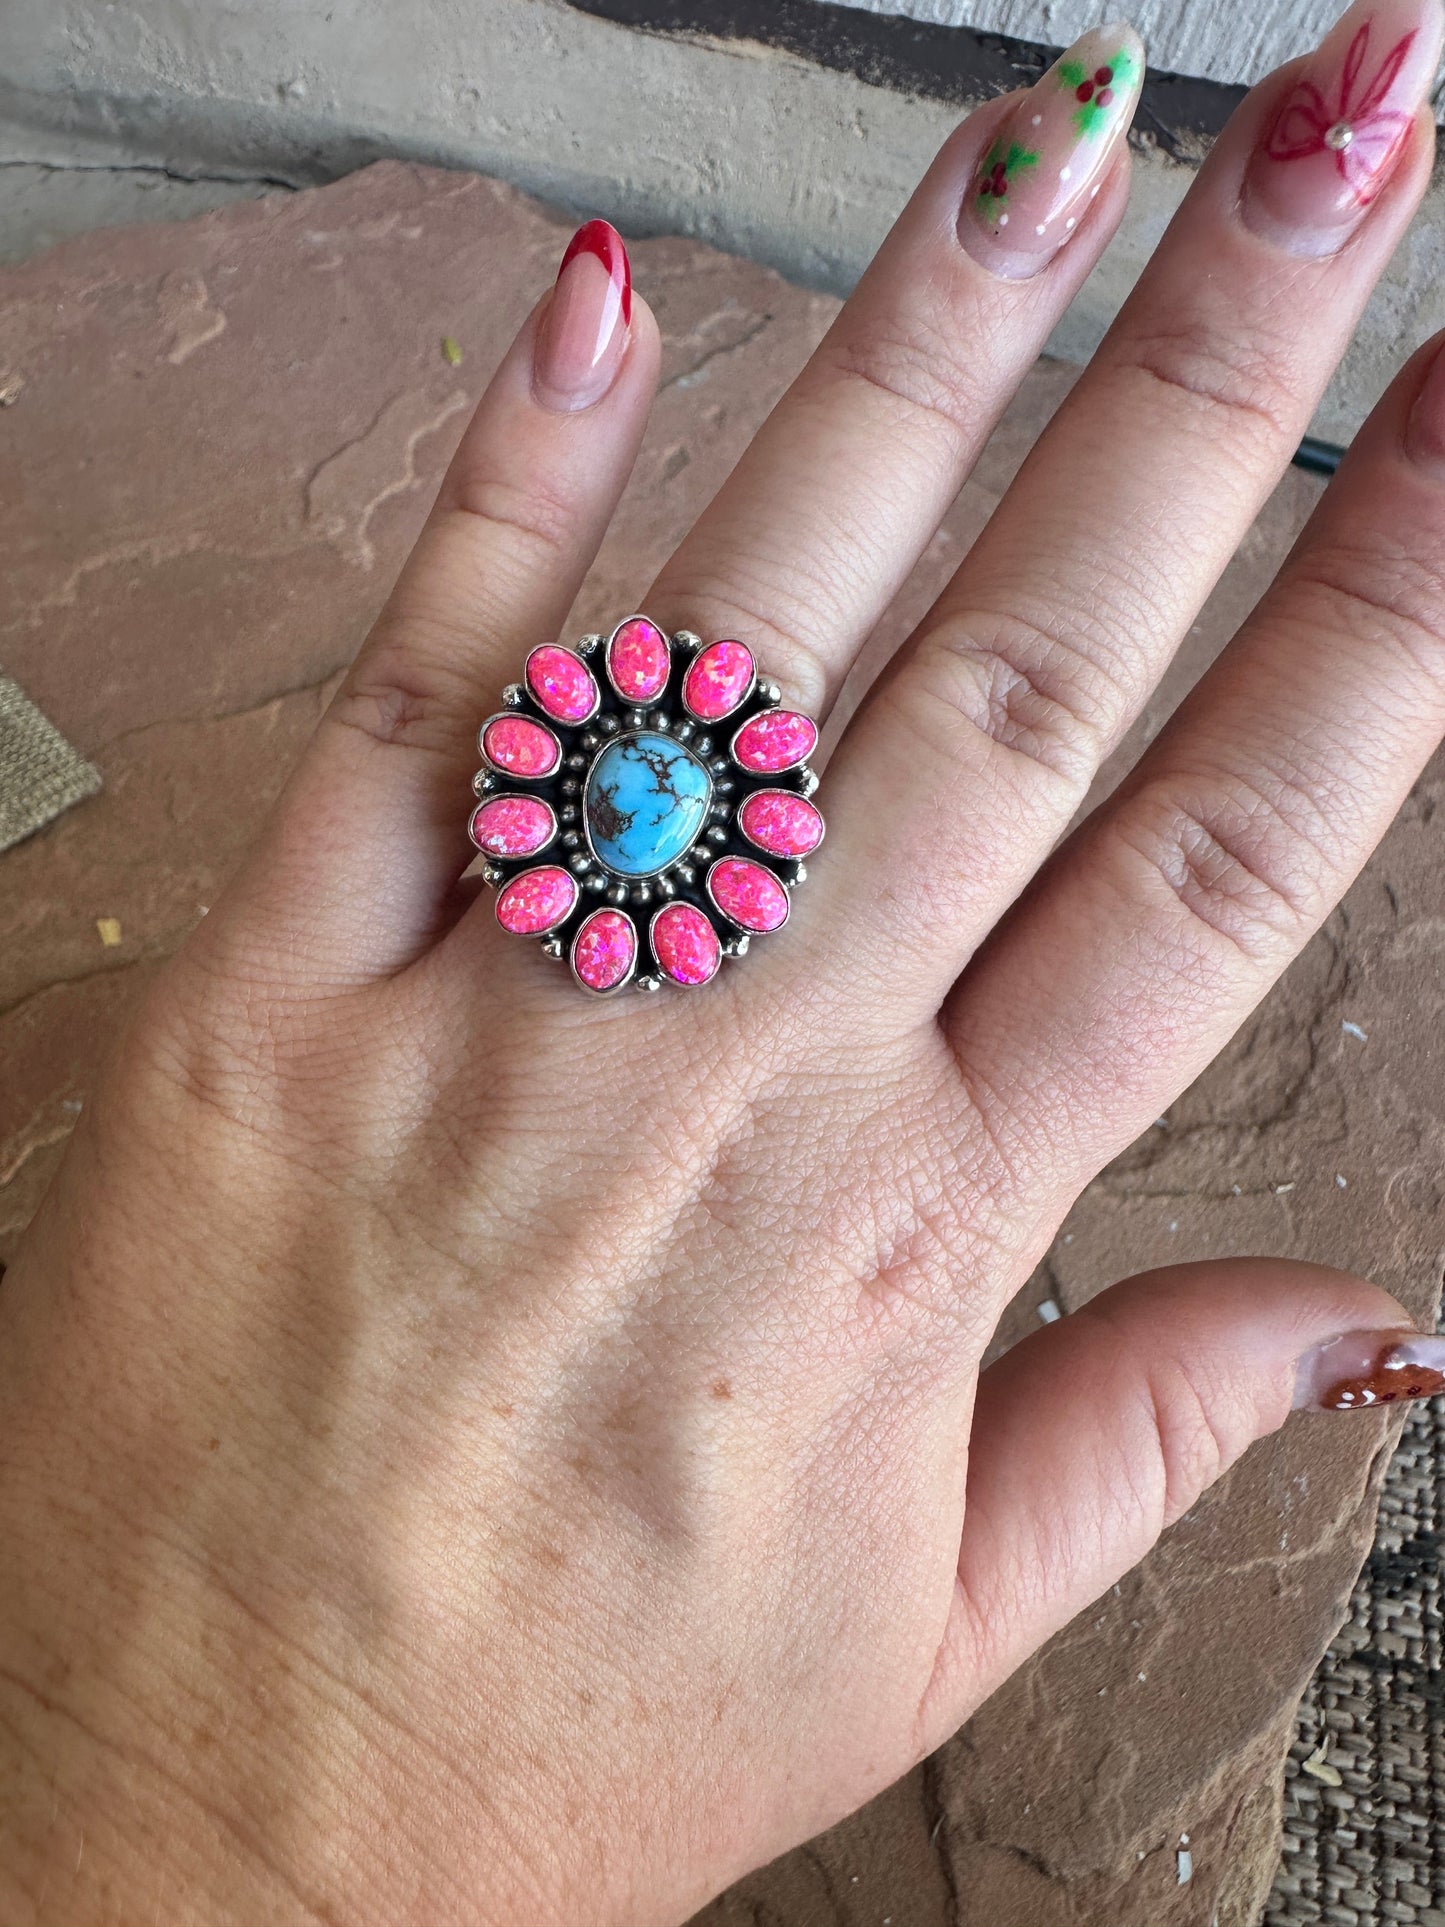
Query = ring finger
x=821 y=521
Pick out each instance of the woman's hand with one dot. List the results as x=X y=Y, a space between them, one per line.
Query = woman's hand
x=477 y=1453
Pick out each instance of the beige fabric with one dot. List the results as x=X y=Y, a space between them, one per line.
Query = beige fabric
x=40 y=774
x=1371 y=1852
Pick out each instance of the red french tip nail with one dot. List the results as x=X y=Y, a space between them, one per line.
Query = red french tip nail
x=603 y=240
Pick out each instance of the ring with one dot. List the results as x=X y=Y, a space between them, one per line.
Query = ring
x=675 y=787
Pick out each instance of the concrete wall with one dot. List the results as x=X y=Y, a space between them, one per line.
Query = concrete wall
x=1225 y=42
x=764 y=151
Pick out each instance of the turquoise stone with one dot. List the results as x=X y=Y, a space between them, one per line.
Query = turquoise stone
x=646 y=799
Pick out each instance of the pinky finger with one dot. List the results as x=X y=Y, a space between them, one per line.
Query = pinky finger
x=1095 y=1433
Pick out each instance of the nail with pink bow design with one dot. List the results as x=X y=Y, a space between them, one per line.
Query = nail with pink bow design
x=1339 y=130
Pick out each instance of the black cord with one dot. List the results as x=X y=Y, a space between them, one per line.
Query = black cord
x=1317 y=457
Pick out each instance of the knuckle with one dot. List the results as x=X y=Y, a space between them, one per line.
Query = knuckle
x=1389 y=593
x=1232 y=377
x=401 y=693
x=768 y=608
x=911 y=370
x=1025 y=688
x=1244 y=859
x=537 y=515
x=1198 y=1435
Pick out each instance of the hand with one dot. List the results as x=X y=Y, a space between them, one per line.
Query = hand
x=473 y=1452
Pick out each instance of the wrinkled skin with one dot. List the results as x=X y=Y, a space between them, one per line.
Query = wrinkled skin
x=474 y=1453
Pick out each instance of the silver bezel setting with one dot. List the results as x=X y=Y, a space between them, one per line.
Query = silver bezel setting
x=762 y=775
x=508 y=715
x=549 y=929
x=772 y=789
x=748 y=929
x=658 y=727
x=667 y=976
x=505 y=796
x=623 y=982
x=717 y=722
x=688 y=877
x=579 y=722
x=606 y=651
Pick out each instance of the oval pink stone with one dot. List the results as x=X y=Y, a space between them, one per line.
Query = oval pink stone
x=776 y=740
x=685 y=944
x=520 y=747
x=604 y=950
x=562 y=683
x=513 y=826
x=718 y=679
x=749 y=895
x=638 y=660
x=537 y=901
x=781 y=823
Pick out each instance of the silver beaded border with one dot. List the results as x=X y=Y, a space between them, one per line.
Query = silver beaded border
x=564 y=787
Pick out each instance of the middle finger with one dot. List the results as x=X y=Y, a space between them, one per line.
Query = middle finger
x=807 y=542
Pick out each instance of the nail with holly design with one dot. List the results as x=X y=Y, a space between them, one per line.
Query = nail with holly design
x=1038 y=178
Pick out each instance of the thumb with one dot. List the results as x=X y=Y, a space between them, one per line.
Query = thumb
x=1095 y=1433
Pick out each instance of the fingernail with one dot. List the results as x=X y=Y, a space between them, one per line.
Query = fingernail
x=583 y=332
x=1340 y=129
x=1038 y=178
x=1425 y=428
x=1370 y=1368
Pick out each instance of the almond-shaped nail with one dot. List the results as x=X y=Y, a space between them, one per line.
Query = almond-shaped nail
x=582 y=334
x=1335 y=137
x=1040 y=174
x=1361 y=1369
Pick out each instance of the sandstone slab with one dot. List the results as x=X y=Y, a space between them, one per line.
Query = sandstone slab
x=226 y=434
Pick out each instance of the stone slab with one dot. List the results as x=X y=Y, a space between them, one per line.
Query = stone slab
x=636 y=117
x=226 y=435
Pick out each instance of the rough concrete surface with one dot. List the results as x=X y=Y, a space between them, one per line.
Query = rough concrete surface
x=753 y=149
x=226 y=435
x=40 y=206
x=1222 y=42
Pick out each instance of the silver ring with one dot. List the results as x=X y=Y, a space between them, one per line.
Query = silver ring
x=644 y=806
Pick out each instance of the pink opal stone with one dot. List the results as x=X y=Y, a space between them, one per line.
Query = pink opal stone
x=562 y=684
x=717 y=680
x=604 y=950
x=685 y=944
x=781 y=823
x=513 y=826
x=778 y=739
x=747 y=894
x=638 y=660
x=537 y=901
x=520 y=747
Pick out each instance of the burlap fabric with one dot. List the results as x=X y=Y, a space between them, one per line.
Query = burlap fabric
x=40 y=774
x=1370 y=1850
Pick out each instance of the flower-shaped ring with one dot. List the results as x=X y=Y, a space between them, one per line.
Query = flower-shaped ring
x=644 y=805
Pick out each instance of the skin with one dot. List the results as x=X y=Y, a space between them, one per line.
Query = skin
x=476 y=1454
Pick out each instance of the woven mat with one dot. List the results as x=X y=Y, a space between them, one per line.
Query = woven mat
x=40 y=774
x=1370 y=1851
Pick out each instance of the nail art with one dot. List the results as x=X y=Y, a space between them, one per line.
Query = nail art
x=581 y=336
x=1361 y=1369
x=1340 y=129
x=1038 y=177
